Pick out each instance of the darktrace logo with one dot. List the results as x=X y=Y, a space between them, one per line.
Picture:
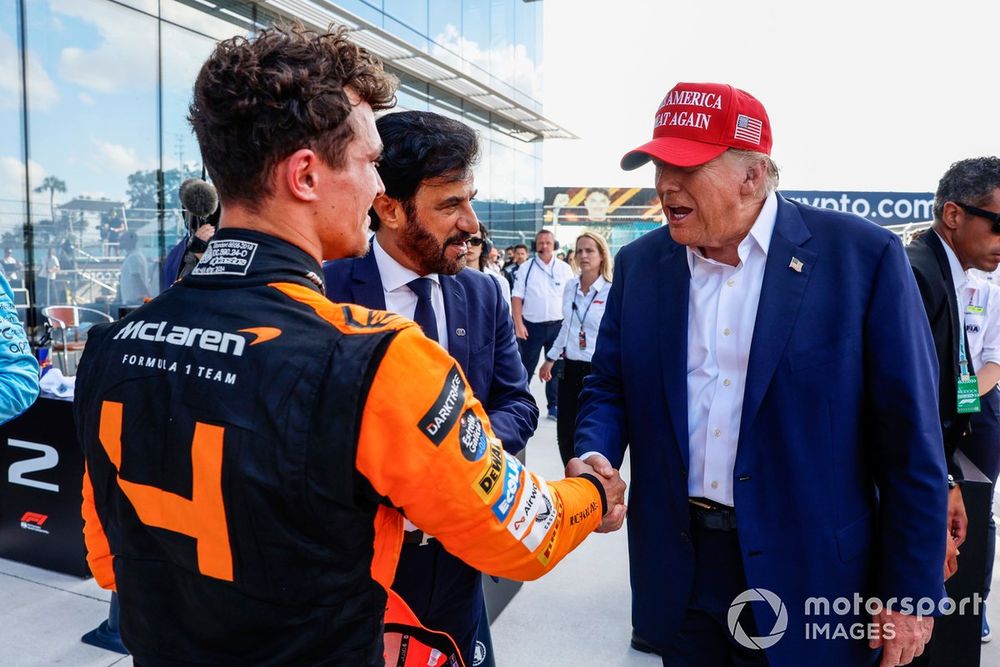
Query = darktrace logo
x=440 y=419
x=472 y=436
x=33 y=521
x=780 y=618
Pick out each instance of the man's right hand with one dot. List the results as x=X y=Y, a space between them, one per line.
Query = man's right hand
x=950 y=556
x=520 y=330
x=613 y=484
x=545 y=372
x=958 y=521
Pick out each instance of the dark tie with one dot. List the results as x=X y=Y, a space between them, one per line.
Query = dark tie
x=424 y=314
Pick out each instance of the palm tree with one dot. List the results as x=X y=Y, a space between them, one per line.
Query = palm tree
x=52 y=185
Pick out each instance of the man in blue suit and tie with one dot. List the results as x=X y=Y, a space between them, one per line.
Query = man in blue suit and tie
x=415 y=268
x=771 y=367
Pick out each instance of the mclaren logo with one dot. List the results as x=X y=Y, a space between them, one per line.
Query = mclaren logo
x=206 y=339
x=262 y=334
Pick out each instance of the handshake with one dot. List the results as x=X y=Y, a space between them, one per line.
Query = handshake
x=614 y=488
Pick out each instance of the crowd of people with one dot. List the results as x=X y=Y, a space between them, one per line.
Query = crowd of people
x=320 y=459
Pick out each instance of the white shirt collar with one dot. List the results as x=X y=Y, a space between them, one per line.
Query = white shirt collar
x=957 y=274
x=394 y=275
x=549 y=264
x=760 y=234
x=597 y=285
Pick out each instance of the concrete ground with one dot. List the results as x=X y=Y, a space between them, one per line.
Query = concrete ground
x=576 y=616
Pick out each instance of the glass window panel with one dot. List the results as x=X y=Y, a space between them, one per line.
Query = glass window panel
x=407 y=34
x=99 y=60
x=183 y=54
x=202 y=19
x=13 y=206
x=412 y=13
x=370 y=11
x=475 y=35
x=527 y=70
x=501 y=55
x=444 y=27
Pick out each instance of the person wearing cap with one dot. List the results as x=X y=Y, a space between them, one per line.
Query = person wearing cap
x=771 y=368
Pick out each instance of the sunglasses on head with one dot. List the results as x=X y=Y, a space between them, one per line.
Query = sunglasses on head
x=982 y=213
x=475 y=240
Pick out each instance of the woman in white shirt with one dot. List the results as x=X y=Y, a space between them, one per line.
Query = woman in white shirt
x=477 y=258
x=584 y=301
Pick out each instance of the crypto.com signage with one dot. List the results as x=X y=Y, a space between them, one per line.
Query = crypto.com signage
x=884 y=208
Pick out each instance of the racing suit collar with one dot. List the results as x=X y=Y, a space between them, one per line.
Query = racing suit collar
x=246 y=257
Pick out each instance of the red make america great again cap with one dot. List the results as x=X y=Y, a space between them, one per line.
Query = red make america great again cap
x=697 y=122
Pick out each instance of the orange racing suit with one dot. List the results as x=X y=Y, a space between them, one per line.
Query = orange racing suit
x=251 y=450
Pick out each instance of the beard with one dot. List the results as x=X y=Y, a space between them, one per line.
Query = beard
x=426 y=251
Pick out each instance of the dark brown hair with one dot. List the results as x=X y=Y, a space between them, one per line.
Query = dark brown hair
x=258 y=101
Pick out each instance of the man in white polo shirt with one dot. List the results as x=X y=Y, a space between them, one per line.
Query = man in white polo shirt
x=536 y=302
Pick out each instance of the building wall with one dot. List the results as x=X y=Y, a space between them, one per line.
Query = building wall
x=93 y=103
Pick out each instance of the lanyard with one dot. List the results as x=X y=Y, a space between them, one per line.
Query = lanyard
x=551 y=274
x=963 y=359
x=585 y=311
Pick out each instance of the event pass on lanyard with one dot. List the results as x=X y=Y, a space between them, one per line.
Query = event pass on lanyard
x=968 y=386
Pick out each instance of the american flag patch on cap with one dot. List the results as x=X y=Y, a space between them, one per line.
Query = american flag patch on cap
x=748 y=129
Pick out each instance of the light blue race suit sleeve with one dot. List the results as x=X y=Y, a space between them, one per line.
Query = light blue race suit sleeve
x=18 y=367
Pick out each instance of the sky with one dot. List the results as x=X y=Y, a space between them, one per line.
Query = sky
x=880 y=95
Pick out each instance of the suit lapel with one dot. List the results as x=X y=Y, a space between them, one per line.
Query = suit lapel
x=366 y=283
x=673 y=280
x=456 y=313
x=780 y=297
x=937 y=247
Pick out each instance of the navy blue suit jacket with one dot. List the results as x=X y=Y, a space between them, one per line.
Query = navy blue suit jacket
x=839 y=482
x=480 y=338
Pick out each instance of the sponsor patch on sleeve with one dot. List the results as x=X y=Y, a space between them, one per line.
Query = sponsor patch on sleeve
x=526 y=508
x=545 y=555
x=440 y=419
x=488 y=482
x=545 y=518
x=472 y=436
x=511 y=485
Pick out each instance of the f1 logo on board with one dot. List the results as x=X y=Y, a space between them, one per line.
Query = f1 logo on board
x=33 y=521
x=47 y=461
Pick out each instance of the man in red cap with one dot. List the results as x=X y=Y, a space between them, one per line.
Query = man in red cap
x=771 y=367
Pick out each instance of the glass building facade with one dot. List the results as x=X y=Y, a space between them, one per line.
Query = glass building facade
x=94 y=139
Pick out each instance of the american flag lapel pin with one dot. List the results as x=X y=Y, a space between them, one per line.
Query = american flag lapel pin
x=795 y=265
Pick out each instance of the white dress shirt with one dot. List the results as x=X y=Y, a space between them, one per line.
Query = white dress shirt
x=541 y=288
x=958 y=278
x=981 y=305
x=588 y=313
x=502 y=280
x=400 y=299
x=722 y=312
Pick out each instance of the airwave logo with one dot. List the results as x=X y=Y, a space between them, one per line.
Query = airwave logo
x=162 y=332
x=440 y=419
